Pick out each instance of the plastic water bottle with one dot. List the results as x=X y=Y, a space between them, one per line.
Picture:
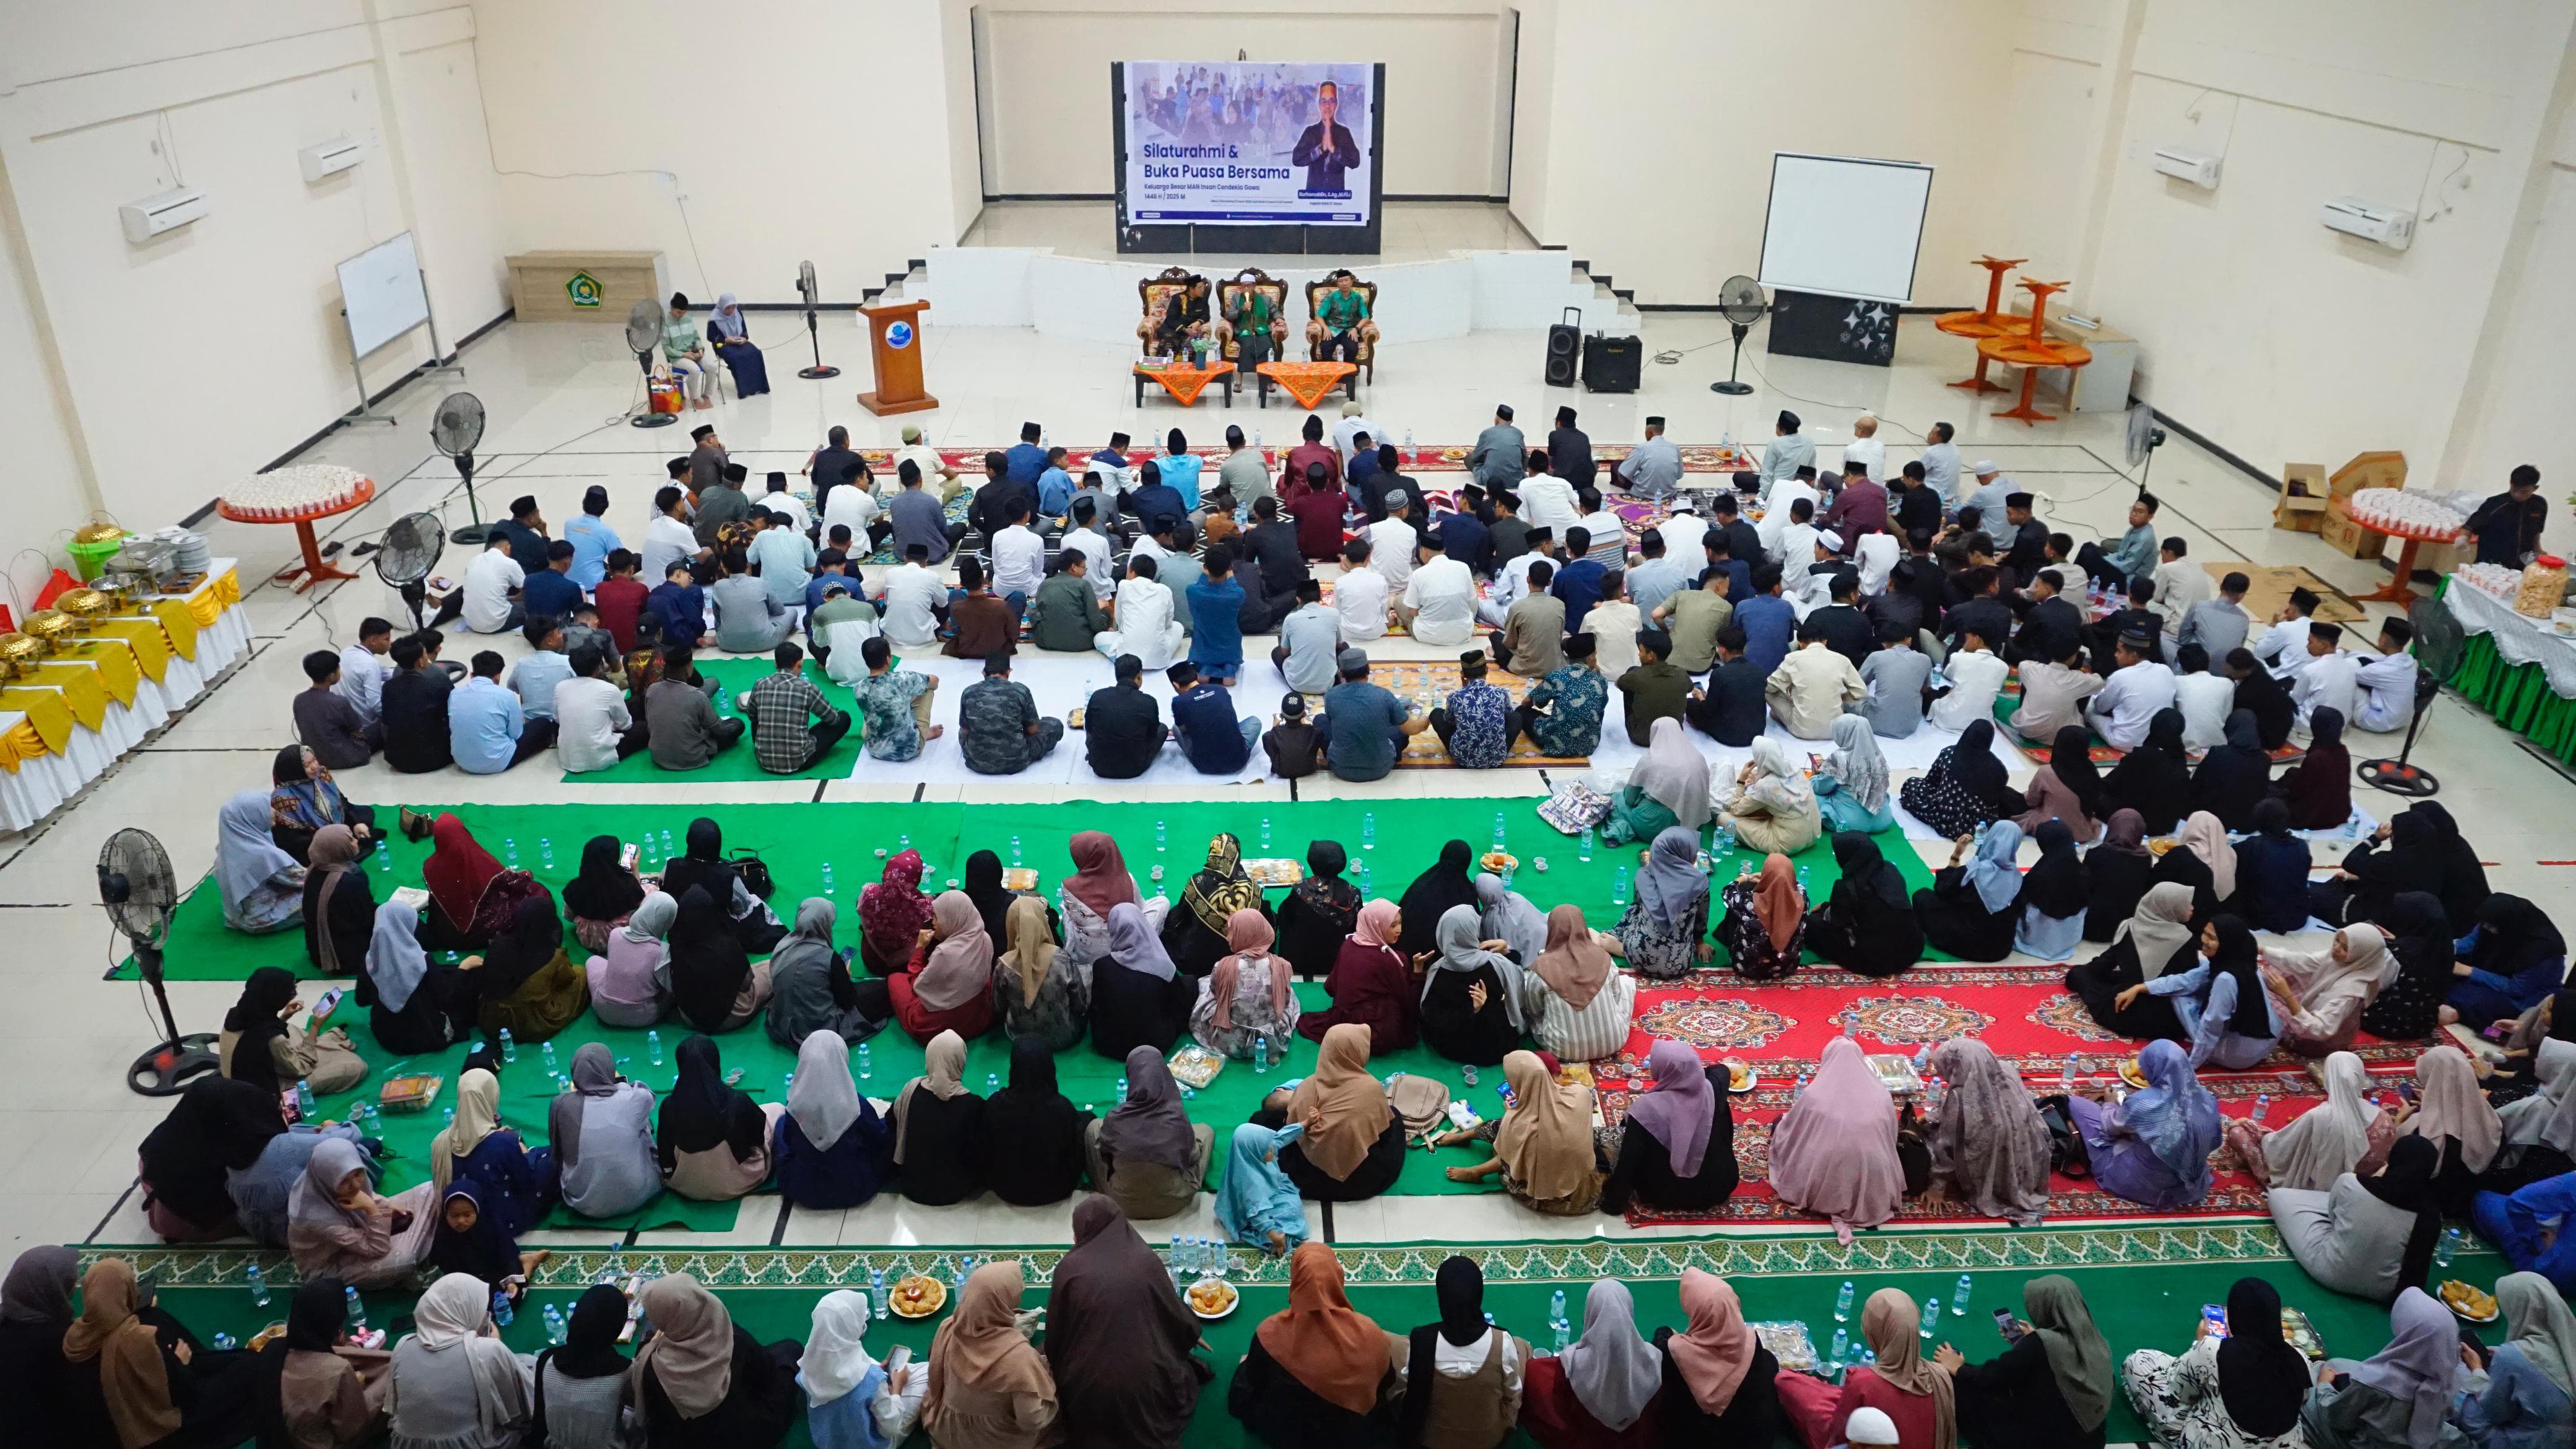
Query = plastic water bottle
x=649 y=854
x=653 y=1047
x=1843 y=1303
x=510 y=850
x=509 y=1048
x=1563 y=1333
x=548 y=1052
x=1161 y=836
x=1122 y=1089
x=1619 y=887
x=2352 y=826
x=1932 y=1094
x=451 y=1116
x=226 y=1343
x=555 y=1333
x=827 y=878
x=356 y=1309
x=1959 y=1298
x=2066 y=1078
x=1585 y=852
x=546 y=850
x=1261 y=1054
x=502 y=1313
x=1556 y=1306
x=258 y=1284
x=1408 y=445
x=867 y=1068
x=2262 y=1104
x=1931 y=1318
x=992 y=1083
x=668 y=849
x=1851 y=1024
x=1498 y=830
x=1364 y=878
x=786 y=1083
x=384 y=857
x=1015 y=850
x=1803 y=892
x=304 y=1100
x=1265 y=832
x=902 y=843
x=2447 y=1249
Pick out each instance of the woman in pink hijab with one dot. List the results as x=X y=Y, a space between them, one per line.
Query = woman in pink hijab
x=1834 y=1154
x=1720 y=1384
x=1245 y=1004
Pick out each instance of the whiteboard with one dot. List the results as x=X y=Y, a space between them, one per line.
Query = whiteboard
x=381 y=292
x=1844 y=227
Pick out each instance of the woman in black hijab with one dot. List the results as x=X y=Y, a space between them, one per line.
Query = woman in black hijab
x=580 y=1382
x=603 y=895
x=1031 y=1141
x=2271 y=872
x=2054 y=887
x=2406 y=1183
x=1966 y=786
x=2117 y=873
x=2318 y=789
x=2234 y=777
x=708 y=967
x=1867 y=926
x=1432 y=893
x=35 y=1311
x=2153 y=779
x=2516 y=961
x=2419 y=935
x=339 y=904
x=703 y=864
x=2405 y=854
x=307 y=1392
x=2262 y=1381
x=983 y=886
x=254 y=1025
x=219 y=1125
x=701 y=1111
x=1460 y=1406
x=2464 y=876
x=1319 y=913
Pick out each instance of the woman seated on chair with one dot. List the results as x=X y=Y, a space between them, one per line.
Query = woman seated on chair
x=730 y=331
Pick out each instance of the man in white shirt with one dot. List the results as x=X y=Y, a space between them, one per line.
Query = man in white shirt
x=364 y=668
x=668 y=539
x=490 y=582
x=1087 y=539
x=1683 y=531
x=851 y=506
x=1941 y=465
x=1792 y=543
x=1019 y=560
x=1976 y=677
x=1876 y=554
x=1609 y=532
x=2332 y=678
x=913 y=597
x=1439 y=603
x=1780 y=512
x=1511 y=581
x=936 y=474
x=2205 y=697
x=1349 y=428
x=1865 y=454
x=2137 y=691
x=1548 y=501
x=2387 y=683
x=779 y=500
x=2180 y=584
x=1142 y=620
x=1359 y=595
x=2283 y=648
x=593 y=727
x=1392 y=540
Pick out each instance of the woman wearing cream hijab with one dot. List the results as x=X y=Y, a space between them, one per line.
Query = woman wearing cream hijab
x=1542 y=1143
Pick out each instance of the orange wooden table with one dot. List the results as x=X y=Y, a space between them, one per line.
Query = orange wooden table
x=2032 y=350
x=1185 y=383
x=2399 y=590
x=1308 y=382
x=313 y=569
x=1978 y=326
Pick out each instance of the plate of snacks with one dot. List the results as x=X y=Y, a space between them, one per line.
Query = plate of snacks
x=1739 y=1077
x=1895 y=1072
x=1213 y=1299
x=1498 y=861
x=1019 y=878
x=2133 y=1074
x=1272 y=871
x=1073 y=717
x=265 y=1336
x=2161 y=844
x=1788 y=1341
x=2300 y=1334
x=917 y=1295
x=2470 y=1303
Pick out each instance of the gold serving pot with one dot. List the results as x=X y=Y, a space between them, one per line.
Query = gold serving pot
x=18 y=652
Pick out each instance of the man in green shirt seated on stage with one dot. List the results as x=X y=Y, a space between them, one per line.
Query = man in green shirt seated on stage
x=1254 y=323
x=1339 y=315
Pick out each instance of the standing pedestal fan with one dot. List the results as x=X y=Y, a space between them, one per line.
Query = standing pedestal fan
x=643 y=334
x=454 y=430
x=812 y=294
x=2143 y=438
x=1741 y=303
x=404 y=558
x=136 y=886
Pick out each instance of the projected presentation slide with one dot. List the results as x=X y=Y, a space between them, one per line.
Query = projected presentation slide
x=1247 y=143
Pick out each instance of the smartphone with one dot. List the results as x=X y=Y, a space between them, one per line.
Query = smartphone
x=2007 y=1325
x=628 y=856
x=2217 y=1318
x=895 y=1361
x=2406 y=1091
x=329 y=1003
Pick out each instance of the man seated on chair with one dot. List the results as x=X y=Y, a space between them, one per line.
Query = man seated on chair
x=1254 y=324
x=2387 y=683
x=999 y=728
x=1339 y=315
x=686 y=354
x=792 y=724
x=1183 y=330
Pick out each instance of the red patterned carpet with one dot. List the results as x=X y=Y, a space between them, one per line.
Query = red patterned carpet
x=2022 y=1011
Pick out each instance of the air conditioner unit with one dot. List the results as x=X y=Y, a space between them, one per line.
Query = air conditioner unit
x=330 y=158
x=2191 y=166
x=168 y=211
x=2387 y=225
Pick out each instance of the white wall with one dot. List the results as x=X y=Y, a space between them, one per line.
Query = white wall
x=1045 y=81
x=1662 y=116
x=226 y=334
x=789 y=132
x=53 y=494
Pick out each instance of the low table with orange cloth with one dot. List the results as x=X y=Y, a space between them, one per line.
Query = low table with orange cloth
x=1308 y=382
x=1182 y=382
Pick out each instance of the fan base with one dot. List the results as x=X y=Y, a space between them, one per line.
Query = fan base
x=813 y=372
x=652 y=420
x=164 y=1071
x=1732 y=388
x=472 y=535
x=2399 y=778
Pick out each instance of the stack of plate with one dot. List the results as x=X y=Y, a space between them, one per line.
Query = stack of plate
x=189 y=551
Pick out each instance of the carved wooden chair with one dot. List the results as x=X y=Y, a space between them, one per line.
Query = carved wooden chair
x=1366 y=356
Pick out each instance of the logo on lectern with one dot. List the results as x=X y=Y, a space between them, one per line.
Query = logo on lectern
x=583 y=288
x=898 y=334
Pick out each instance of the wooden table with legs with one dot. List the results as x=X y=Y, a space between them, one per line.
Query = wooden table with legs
x=2032 y=350
x=1980 y=325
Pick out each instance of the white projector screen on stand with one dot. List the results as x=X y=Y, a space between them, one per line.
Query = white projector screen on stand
x=1844 y=227
x=380 y=290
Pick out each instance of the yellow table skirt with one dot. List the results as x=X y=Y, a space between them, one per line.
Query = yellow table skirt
x=114 y=661
x=48 y=719
x=179 y=621
x=144 y=636
x=19 y=743
x=78 y=686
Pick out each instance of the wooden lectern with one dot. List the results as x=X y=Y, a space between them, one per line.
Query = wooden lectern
x=895 y=329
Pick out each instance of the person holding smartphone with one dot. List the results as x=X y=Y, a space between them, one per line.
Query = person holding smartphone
x=2239 y=1383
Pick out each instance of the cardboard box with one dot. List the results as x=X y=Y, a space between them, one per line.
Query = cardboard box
x=2302 y=507
x=2345 y=536
x=2366 y=470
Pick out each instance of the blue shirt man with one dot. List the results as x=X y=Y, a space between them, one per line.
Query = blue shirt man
x=1025 y=460
x=1464 y=537
x=1216 y=740
x=550 y=590
x=592 y=541
x=1055 y=492
x=1768 y=623
x=786 y=560
x=1180 y=472
x=1578 y=582
x=484 y=722
x=1216 y=623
